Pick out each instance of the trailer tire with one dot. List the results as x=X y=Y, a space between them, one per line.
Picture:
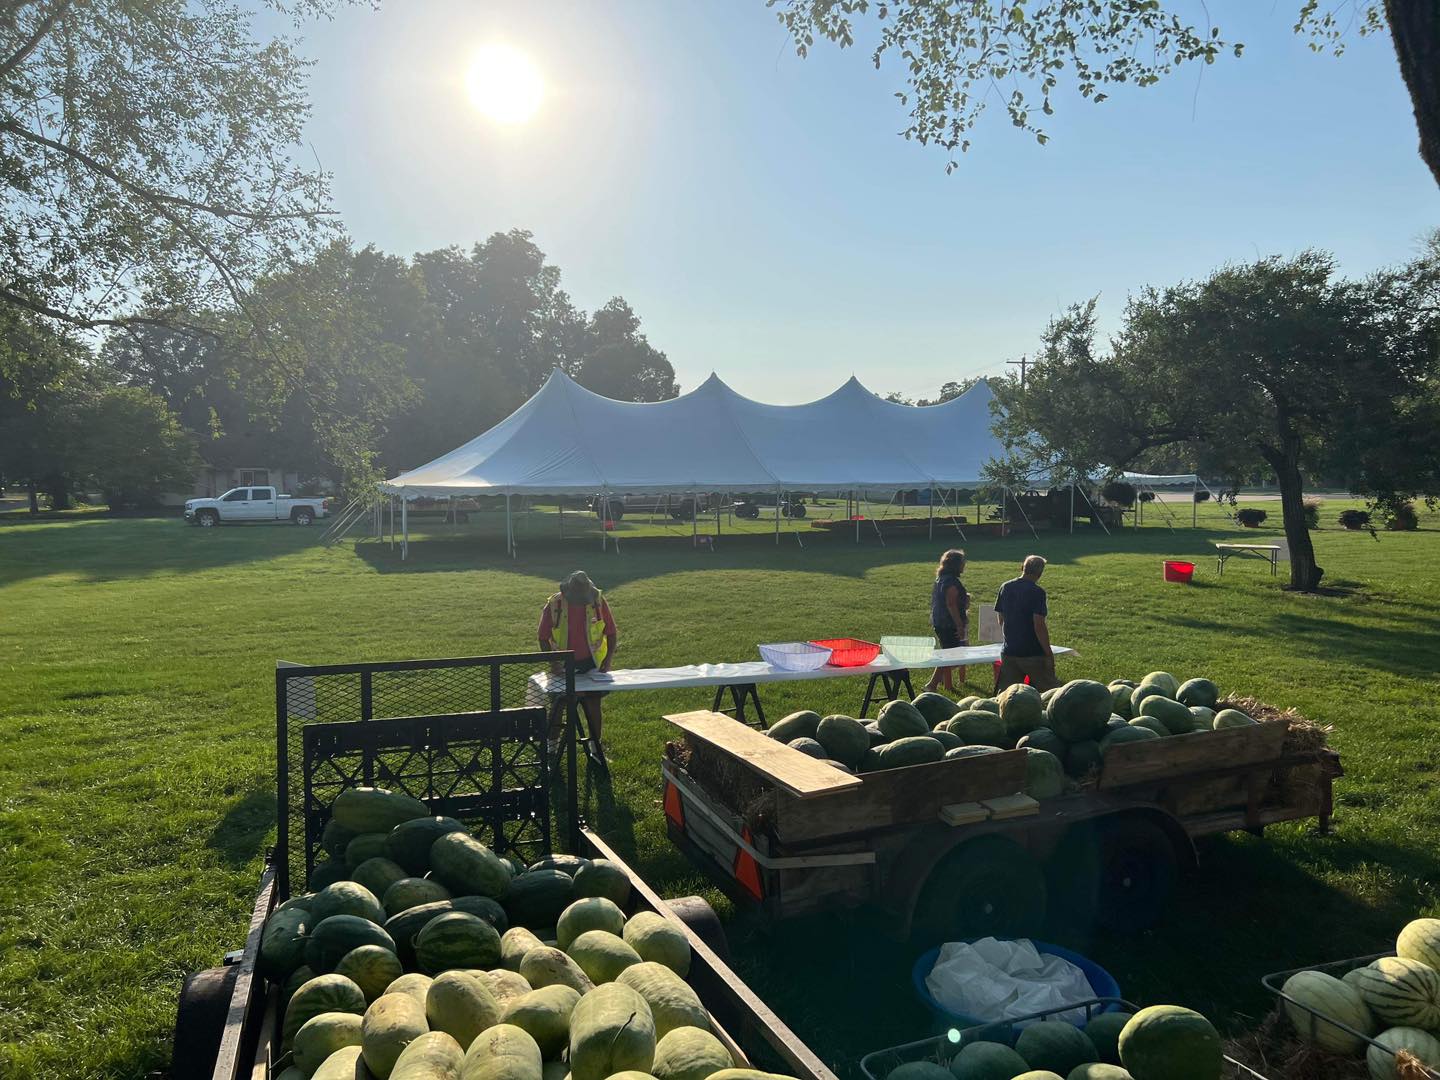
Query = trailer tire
x=200 y=1021
x=696 y=913
x=1138 y=870
x=989 y=886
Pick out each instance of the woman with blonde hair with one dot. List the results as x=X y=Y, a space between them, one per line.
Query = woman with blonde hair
x=949 y=614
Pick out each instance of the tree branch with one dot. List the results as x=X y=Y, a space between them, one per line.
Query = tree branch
x=20 y=55
x=81 y=322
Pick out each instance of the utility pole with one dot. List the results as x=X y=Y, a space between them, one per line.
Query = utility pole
x=1023 y=363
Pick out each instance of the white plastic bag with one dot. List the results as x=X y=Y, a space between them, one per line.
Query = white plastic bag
x=999 y=980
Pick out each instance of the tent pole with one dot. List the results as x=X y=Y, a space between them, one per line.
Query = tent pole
x=1194 y=506
x=509 y=530
x=404 y=528
x=855 y=513
x=931 y=525
x=604 y=516
x=560 y=505
x=392 y=522
x=777 y=517
x=1096 y=511
x=694 y=522
x=1072 y=507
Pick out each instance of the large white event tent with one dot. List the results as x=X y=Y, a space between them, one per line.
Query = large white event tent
x=567 y=440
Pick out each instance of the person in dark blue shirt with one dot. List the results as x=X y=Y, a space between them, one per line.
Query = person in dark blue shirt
x=1022 y=611
x=949 y=614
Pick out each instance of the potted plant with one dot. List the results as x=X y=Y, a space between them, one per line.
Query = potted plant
x=1401 y=517
x=1355 y=519
x=1118 y=493
x=1251 y=517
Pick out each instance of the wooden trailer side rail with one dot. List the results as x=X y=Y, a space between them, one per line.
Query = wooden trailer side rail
x=243 y=1019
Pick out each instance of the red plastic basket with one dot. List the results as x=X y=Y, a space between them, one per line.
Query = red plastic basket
x=849 y=651
x=1179 y=571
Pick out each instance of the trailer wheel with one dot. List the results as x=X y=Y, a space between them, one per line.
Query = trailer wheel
x=1138 y=870
x=696 y=913
x=989 y=886
x=200 y=1021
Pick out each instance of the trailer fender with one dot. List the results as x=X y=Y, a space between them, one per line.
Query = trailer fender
x=696 y=913
x=904 y=876
x=200 y=1021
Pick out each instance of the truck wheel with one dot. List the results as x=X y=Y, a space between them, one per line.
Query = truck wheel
x=797 y=510
x=200 y=1021
x=696 y=913
x=207 y=519
x=988 y=886
x=303 y=517
x=1138 y=870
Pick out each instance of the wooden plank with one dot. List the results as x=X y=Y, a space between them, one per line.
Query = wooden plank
x=910 y=795
x=965 y=813
x=229 y=1061
x=799 y=774
x=1132 y=763
x=1011 y=806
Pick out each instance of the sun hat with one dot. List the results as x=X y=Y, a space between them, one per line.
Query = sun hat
x=578 y=587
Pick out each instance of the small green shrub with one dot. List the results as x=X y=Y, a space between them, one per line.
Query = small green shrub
x=1250 y=516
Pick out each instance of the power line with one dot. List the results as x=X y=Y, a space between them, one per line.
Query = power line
x=1023 y=363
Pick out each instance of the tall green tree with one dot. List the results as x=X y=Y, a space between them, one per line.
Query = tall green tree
x=131 y=446
x=618 y=361
x=1276 y=365
x=959 y=55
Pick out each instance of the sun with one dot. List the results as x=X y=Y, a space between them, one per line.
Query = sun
x=504 y=84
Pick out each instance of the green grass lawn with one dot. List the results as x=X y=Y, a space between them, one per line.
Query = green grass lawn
x=137 y=766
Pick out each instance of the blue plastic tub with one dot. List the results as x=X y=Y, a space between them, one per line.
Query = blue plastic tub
x=1101 y=981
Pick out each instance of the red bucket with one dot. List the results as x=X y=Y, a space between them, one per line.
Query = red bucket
x=997 y=675
x=1179 y=571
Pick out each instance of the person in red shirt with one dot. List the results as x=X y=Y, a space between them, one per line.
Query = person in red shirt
x=577 y=618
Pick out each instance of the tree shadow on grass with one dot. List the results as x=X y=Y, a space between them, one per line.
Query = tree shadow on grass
x=1401 y=645
x=243 y=831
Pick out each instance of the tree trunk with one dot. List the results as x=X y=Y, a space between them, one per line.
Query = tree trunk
x=1415 y=30
x=34 y=494
x=1304 y=574
x=59 y=488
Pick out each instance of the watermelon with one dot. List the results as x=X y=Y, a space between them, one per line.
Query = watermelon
x=979 y=727
x=687 y=1053
x=503 y=1052
x=672 y=1002
x=797 y=725
x=899 y=719
x=1120 y=700
x=1054 y=1045
x=1204 y=718
x=655 y=938
x=972 y=751
x=365 y=846
x=1044 y=739
x=844 y=739
x=296 y=979
x=1049 y=695
x=1420 y=940
x=392 y=1022
x=935 y=708
x=1166 y=1042
x=1140 y=693
x=461 y=1004
x=545 y=1015
x=412 y=892
x=602 y=955
x=570 y=864
x=456 y=940
x=1079 y=710
x=1383 y=1063
x=603 y=878
x=332 y=938
x=370 y=967
x=335 y=837
x=914 y=750
x=948 y=739
x=1097 y=1070
x=591 y=913
x=1128 y=733
x=537 y=897
x=612 y=1030
x=467 y=867
x=967 y=702
x=321 y=1036
x=375 y=810
x=1310 y=995
x=547 y=966
x=322 y=994
x=1123 y=682
x=924 y=1070
x=838 y=765
x=1039 y=1074
x=1151 y=723
x=346 y=898
x=1082 y=758
x=434 y=1054
x=807 y=746
x=1353 y=977
x=1172 y=714
x=986 y=1061
x=1021 y=710
x=873 y=733
x=1401 y=992
x=1232 y=718
x=988 y=704
x=282 y=943
x=377 y=875
x=327 y=872
x=1198 y=692
x=1167 y=683
x=1044 y=777
x=409 y=842
x=1104 y=1031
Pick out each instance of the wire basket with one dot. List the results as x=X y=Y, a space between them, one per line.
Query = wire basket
x=795 y=655
x=908 y=650
x=1275 y=983
x=849 y=651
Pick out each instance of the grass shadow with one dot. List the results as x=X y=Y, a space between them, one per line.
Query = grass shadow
x=242 y=833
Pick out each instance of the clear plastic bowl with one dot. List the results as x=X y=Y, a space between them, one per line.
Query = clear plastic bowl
x=795 y=655
x=908 y=650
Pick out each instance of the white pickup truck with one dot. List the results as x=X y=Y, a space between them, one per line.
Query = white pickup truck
x=253 y=504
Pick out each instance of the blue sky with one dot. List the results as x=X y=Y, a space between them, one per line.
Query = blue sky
x=765 y=219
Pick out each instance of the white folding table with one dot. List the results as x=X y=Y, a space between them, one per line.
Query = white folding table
x=1270 y=552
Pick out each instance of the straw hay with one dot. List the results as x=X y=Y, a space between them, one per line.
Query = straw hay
x=1273 y=1051
x=726 y=779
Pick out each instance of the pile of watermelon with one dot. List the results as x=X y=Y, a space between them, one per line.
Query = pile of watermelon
x=423 y=955
x=1162 y=1042
x=1065 y=731
x=1394 y=1001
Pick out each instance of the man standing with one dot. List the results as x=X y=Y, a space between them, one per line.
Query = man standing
x=1022 y=611
x=577 y=618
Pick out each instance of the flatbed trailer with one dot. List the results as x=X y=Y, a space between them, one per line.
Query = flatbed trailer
x=484 y=760
x=792 y=836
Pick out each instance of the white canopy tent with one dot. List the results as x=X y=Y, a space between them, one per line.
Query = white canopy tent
x=567 y=440
x=1150 y=481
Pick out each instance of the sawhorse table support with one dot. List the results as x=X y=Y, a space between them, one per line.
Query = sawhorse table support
x=739 y=693
x=891 y=682
x=565 y=712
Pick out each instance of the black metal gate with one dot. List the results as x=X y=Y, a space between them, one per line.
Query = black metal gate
x=467 y=736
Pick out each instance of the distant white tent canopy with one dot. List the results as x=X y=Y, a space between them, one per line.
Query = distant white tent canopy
x=567 y=440
x=1150 y=481
x=1158 y=480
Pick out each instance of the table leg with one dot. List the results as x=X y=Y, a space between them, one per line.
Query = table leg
x=869 y=696
x=902 y=678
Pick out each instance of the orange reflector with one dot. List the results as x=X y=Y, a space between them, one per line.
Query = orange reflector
x=747 y=870
x=673 y=810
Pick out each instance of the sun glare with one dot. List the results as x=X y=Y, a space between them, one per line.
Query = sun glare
x=504 y=84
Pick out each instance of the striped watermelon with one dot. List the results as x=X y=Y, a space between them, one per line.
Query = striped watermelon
x=1384 y=1064
x=1310 y=995
x=1402 y=992
x=1420 y=940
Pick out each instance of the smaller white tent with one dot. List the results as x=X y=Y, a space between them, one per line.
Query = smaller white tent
x=1150 y=481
